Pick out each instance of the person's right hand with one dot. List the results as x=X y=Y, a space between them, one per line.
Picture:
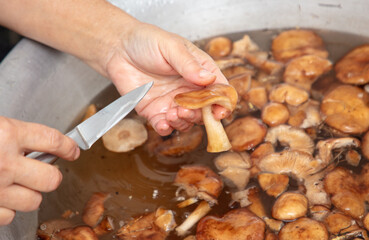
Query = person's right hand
x=22 y=179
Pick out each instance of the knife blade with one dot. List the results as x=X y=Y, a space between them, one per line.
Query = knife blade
x=89 y=131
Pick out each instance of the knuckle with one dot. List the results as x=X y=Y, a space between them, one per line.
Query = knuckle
x=33 y=202
x=56 y=139
x=54 y=179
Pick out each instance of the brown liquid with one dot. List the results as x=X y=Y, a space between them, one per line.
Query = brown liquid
x=139 y=183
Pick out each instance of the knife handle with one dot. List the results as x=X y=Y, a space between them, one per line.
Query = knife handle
x=43 y=157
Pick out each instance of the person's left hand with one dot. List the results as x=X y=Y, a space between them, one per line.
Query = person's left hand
x=174 y=64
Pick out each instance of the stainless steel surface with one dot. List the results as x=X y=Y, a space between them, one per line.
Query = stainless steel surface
x=89 y=131
x=69 y=85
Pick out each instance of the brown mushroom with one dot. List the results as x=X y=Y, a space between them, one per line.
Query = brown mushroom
x=273 y=184
x=366 y=221
x=105 y=226
x=306 y=115
x=77 y=233
x=286 y=93
x=304 y=229
x=257 y=96
x=236 y=224
x=290 y=206
x=125 y=136
x=353 y=68
x=237 y=71
x=365 y=145
x=274 y=114
x=353 y=157
x=245 y=133
x=293 y=138
x=91 y=110
x=295 y=43
x=346 y=109
x=227 y=63
x=94 y=209
x=47 y=230
x=219 y=47
x=242 y=84
x=220 y=94
x=319 y=212
x=304 y=71
x=338 y=223
x=243 y=45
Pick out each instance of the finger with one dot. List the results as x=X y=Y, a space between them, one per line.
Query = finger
x=6 y=216
x=193 y=116
x=220 y=112
x=176 y=122
x=37 y=137
x=36 y=175
x=20 y=198
x=186 y=64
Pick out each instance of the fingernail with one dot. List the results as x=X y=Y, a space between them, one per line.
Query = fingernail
x=76 y=153
x=206 y=74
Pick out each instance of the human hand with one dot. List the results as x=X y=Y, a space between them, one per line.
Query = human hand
x=148 y=53
x=22 y=179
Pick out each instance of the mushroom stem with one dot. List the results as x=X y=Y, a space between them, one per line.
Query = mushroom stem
x=187 y=202
x=201 y=210
x=217 y=137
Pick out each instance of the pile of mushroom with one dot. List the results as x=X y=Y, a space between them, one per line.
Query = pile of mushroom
x=293 y=158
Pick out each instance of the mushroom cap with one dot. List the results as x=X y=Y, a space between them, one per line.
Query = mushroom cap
x=290 y=206
x=319 y=212
x=244 y=45
x=286 y=93
x=232 y=159
x=353 y=68
x=346 y=109
x=273 y=184
x=94 y=209
x=274 y=114
x=245 y=133
x=353 y=157
x=229 y=62
x=294 y=138
x=304 y=71
x=236 y=224
x=219 y=47
x=304 y=229
x=295 y=43
x=257 y=96
x=199 y=181
x=338 y=222
x=221 y=94
x=365 y=145
x=125 y=136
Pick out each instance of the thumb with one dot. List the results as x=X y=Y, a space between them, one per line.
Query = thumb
x=191 y=63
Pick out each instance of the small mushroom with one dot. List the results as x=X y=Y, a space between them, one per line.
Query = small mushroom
x=227 y=63
x=353 y=157
x=94 y=209
x=286 y=93
x=297 y=42
x=319 y=212
x=257 y=96
x=304 y=71
x=91 y=110
x=306 y=115
x=77 y=233
x=242 y=84
x=236 y=224
x=338 y=223
x=293 y=138
x=237 y=71
x=125 y=136
x=47 y=230
x=241 y=46
x=315 y=191
x=245 y=133
x=274 y=114
x=219 y=47
x=104 y=227
x=290 y=206
x=346 y=109
x=353 y=68
x=304 y=229
x=220 y=94
x=273 y=184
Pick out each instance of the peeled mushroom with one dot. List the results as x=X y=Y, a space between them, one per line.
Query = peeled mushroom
x=274 y=114
x=94 y=209
x=295 y=43
x=306 y=115
x=290 y=206
x=245 y=133
x=236 y=224
x=338 y=223
x=346 y=109
x=273 y=184
x=125 y=136
x=257 y=96
x=286 y=93
x=353 y=68
x=319 y=213
x=219 y=47
x=223 y=95
x=304 y=71
x=304 y=229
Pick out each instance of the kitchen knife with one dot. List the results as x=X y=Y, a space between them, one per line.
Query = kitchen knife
x=90 y=130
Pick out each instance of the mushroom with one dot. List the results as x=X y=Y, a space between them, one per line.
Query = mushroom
x=353 y=157
x=274 y=114
x=105 y=226
x=315 y=191
x=230 y=62
x=293 y=138
x=353 y=68
x=304 y=229
x=234 y=167
x=77 y=233
x=306 y=115
x=365 y=145
x=346 y=109
x=273 y=184
x=237 y=71
x=338 y=223
x=235 y=224
x=47 y=230
x=245 y=44
x=220 y=94
x=242 y=85
x=286 y=93
x=91 y=110
x=257 y=96
x=219 y=47
x=245 y=133
x=304 y=71
x=297 y=42
x=290 y=206
x=156 y=225
x=94 y=209
x=125 y=136
x=319 y=212
x=366 y=221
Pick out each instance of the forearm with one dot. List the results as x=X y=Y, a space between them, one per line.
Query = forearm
x=88 y=29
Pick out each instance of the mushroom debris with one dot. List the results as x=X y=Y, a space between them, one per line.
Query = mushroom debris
x=294 y=158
